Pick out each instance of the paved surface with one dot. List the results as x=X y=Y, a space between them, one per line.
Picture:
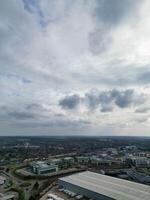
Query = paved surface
x=55 y=191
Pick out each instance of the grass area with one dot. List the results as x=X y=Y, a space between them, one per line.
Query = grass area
x=146 y=171
x=19 y=191
x=25 y=184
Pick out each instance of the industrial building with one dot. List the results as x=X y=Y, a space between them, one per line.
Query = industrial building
x=102 y=187
x=41 y=167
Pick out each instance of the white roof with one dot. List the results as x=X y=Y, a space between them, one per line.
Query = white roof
x=115 y=188
x=2 y=178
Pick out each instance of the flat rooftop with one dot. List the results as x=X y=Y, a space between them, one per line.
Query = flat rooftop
x=43 y=165
x=2 y=178
x=111 y=187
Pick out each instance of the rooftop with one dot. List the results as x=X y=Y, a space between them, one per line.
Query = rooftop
x=42 y=165
x=68 y=158
x=2 y=178
x=114 y=188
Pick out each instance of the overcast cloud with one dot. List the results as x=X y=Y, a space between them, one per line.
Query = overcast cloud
x=75 y=67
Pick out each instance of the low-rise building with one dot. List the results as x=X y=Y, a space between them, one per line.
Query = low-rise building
x=131 y=148
x=41 y=167
x=82 y=159
x=2 y=180
x=112 y=151
x=62 y=162
x=68 y=161
x=56 y=161
x=140 y=161
x=100 y=161
x=143 y=154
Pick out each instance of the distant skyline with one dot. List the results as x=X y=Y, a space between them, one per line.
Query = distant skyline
x=75 y=67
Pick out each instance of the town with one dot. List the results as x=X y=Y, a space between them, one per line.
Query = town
x=30 y=167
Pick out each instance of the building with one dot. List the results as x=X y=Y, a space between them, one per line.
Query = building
x=112 y=151
x=62 y=162
x=82 y=159
x=100 y=162
x=41 y=167
x=136 y=160
x=69 y=160
x=131 y=148
x=143 y=154
x=57 y=161
x=2 y=180
x=140 y=161
x=102 y=187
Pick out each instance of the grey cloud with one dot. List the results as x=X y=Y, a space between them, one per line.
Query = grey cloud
x=21 y=115
x=132 y=74
x=144 y=77
x=105 y=100
x=33 y=7
x=14 y=77
x=59 y=115
x=95 y=99
x=70 y=102
x=92 y=99
x=105 y=97
x=112 y=12
x=33 y=106
x=55 y=123
x=106 y=108
x=42 y=15
x=108 y=14
x=141 y=120
x=70 y=123
x=142 y=110
x=24 y=112
x=99 y=41
x=123 y=99
x=114 y=75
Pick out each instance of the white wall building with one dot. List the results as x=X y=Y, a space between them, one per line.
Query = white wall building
x=2 y=180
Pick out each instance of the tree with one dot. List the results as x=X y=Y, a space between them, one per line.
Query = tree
x=32 y=198
x=36 y=186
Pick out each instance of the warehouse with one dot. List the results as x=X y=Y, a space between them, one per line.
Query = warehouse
x=102 y=187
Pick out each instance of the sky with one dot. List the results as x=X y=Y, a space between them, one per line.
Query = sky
x=75 y=67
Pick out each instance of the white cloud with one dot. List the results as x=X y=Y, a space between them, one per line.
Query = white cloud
x=51 y=49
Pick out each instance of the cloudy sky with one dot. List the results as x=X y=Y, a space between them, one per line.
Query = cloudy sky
x=75 y=67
